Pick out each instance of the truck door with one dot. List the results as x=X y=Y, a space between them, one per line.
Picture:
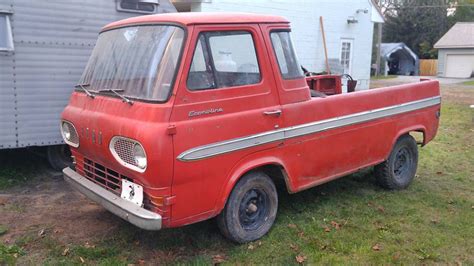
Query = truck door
x=225 y=97
x=323 y=153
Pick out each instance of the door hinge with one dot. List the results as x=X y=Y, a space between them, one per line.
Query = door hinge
x=171 y=130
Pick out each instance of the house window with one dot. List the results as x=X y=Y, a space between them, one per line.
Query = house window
x=224 y=59
x=346 y=55
x=286 y=56
x=137 y=6
x=6 y=38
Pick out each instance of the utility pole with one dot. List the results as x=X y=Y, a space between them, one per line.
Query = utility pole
x=379 y=3
x=379 y=42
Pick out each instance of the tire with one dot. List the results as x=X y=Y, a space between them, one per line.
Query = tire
x=398 y=171
x=250 y=210
x=59 y=157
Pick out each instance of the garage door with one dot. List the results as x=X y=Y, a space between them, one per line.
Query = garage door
x=459 y=65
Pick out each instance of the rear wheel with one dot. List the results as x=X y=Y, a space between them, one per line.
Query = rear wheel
x=398 y=171
x=59 y=157
x=250 y=210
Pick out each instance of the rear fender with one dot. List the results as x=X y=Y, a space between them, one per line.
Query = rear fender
x=407 y=130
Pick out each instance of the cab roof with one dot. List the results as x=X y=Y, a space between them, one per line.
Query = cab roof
x=193 y=18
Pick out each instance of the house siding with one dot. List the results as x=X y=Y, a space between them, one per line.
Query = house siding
x=442 y=57
x=304 y=17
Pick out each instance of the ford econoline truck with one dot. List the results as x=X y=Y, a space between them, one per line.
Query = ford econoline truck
x=179 y=118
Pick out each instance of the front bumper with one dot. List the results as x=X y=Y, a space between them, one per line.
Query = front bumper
x=126 y=210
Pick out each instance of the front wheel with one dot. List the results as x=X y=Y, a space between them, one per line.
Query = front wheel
x=398 y=171
x=250 y=210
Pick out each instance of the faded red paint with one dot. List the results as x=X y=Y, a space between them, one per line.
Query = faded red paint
x=197 y=190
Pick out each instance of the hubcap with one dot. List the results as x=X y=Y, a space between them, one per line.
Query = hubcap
x=253 y=209
x=402 y=163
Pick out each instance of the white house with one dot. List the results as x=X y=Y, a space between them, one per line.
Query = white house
x=348 y=26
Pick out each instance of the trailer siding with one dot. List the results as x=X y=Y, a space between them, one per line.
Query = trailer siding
x=53 y=41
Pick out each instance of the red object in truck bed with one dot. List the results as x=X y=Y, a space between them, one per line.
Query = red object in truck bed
x=327 y=84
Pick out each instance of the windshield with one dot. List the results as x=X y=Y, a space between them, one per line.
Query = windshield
x=139 y=62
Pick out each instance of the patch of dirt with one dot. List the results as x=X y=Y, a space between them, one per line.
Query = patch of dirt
x=50 y=207
x=458 y=93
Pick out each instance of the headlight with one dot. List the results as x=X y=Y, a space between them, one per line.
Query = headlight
x=129 y=152
x=69 y=134
x=139 y=156
x=66 y=131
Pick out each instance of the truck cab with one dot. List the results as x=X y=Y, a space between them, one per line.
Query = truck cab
x=179 y=118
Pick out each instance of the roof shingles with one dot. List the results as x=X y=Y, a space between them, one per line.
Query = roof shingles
x=461 y=35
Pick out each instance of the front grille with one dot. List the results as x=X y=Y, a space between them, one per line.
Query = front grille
x=103 y=176
x=111 y=180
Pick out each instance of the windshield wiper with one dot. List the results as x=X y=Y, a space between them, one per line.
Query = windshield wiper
x=125 y=99
x=83 y=87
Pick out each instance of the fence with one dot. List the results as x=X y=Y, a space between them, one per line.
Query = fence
x=428 y=67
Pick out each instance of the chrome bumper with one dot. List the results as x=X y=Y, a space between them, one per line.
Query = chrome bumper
x=126 y=210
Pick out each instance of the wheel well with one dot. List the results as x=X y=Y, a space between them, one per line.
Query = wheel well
x=277 y=173
x=418 y=135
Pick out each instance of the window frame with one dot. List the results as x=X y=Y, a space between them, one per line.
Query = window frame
x=9 y=32
x=351 y=52
x=207 y=51
x=121 y=9
x=276 y=57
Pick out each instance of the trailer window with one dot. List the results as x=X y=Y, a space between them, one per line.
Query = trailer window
x=224 y=59
x=285 y=54
x=136 y=6
x=6 y=38
x=140 y=61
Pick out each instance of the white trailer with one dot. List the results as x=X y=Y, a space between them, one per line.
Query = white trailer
x=44 y=47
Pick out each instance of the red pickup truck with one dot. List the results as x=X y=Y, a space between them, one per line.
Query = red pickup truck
x=179 y=118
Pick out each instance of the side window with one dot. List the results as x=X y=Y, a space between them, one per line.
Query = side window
x=286 y=56
x=6 y=39
x=201 y=76
x=224 y=59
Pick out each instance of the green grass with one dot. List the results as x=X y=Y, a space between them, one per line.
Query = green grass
x=431 y=222
x=468 y=83
x=380 y=77
x=13 y=177
x=22 y=167
x=3 y=229
x=9 y=254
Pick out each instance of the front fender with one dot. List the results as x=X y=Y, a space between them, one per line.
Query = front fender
x=245 y=165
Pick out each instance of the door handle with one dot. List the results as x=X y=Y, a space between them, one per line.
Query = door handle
x=273 y=112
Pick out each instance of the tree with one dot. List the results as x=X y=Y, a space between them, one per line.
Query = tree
x=463 y=12
x=421 y=23
x=418 y=24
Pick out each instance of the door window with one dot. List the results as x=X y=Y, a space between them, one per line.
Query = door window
x=201 y=75
x=286 y=56
x=223 y=59
x=346 y=55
